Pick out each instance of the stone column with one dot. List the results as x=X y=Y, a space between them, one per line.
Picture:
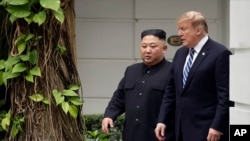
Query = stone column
x=240 y=61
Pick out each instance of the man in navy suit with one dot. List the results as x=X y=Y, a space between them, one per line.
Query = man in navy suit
x=201 y=103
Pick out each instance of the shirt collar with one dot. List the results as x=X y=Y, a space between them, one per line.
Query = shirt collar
x=201 y=43
x=154 y=67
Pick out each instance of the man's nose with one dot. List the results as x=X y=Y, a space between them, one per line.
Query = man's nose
x=179 y=32
x=148 y=49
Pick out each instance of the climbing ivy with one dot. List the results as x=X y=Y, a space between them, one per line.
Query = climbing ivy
x=22 y=62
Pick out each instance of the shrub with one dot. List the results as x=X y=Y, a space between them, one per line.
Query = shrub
x=93 y=124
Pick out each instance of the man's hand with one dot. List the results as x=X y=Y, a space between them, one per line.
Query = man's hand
x=106 y=123
x=213 y=135
x=160 y=131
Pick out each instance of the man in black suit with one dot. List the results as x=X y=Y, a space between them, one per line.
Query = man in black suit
x=199 y=95
x=141 y=90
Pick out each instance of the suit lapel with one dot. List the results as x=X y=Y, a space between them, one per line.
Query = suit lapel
x=199 y=59
x=183 y=55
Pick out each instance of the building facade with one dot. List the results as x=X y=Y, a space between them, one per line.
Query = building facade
x=108 y=36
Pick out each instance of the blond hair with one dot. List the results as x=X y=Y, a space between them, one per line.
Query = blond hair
x=196 y=18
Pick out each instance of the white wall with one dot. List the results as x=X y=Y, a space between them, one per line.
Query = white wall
x=239 y=62
x=108 y=36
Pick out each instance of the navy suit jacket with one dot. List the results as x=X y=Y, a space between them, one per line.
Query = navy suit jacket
x=204 y=101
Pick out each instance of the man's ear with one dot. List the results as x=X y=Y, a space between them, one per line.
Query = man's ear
x=165 y=48
x=199 y=31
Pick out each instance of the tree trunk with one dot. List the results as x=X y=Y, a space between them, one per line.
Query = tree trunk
x=43 y=122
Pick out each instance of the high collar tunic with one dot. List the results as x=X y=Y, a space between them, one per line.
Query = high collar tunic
x=139 y=95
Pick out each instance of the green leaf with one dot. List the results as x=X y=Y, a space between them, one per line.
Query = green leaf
x=50 y=4
x=73 y=111
x=19 y=127
x=10 y=75
x=1 y=79
x=29 y=19
x=46 y=101
x=33 y=57
x=75 y=100
x=14 y=132
x=2 y=66
x=36 y=97
x=93 y=134
x=12 y=60
x=56 y=93
x=7 y=115
x=2 y=2
x=29 y=36
x=4 y=80
x=21 y=47
x=21 y=38
x=61 y=49
x=5 y=122
x=36 y=71
x=29 y=77
x=19 y=11
x=59 y=98
x=17 y=2
x=59 y=15
x=21 y=119
x=69 y=93
x=39 y=18
x=103 y=137
x=12 y=18
x=65 y=107
x=24 y=57
x=19 y=67
x=73 y=87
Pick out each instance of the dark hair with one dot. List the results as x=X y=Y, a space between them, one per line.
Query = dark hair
x=161 y=34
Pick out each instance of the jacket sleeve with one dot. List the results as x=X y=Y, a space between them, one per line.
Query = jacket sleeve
x=222 y=83
x=167 y=110
x=116 y=105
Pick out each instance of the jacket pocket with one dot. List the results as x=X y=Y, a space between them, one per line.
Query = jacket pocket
x=159 y=87
x=129 y=86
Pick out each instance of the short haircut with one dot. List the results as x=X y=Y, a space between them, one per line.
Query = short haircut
x=161 y=34
x=196 y=18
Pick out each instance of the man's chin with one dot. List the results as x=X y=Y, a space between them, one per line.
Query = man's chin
x=183 y=44
x=148 y=63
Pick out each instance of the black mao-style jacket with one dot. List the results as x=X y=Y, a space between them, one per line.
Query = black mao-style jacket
x=139 y=96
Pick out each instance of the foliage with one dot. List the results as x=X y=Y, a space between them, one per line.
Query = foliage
x=38 y=73
x=93 y=124
x=25 y=61
x=68 y=99
x=2 y=116
x=23 y=9
x=97 y=135
x=17 y=124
